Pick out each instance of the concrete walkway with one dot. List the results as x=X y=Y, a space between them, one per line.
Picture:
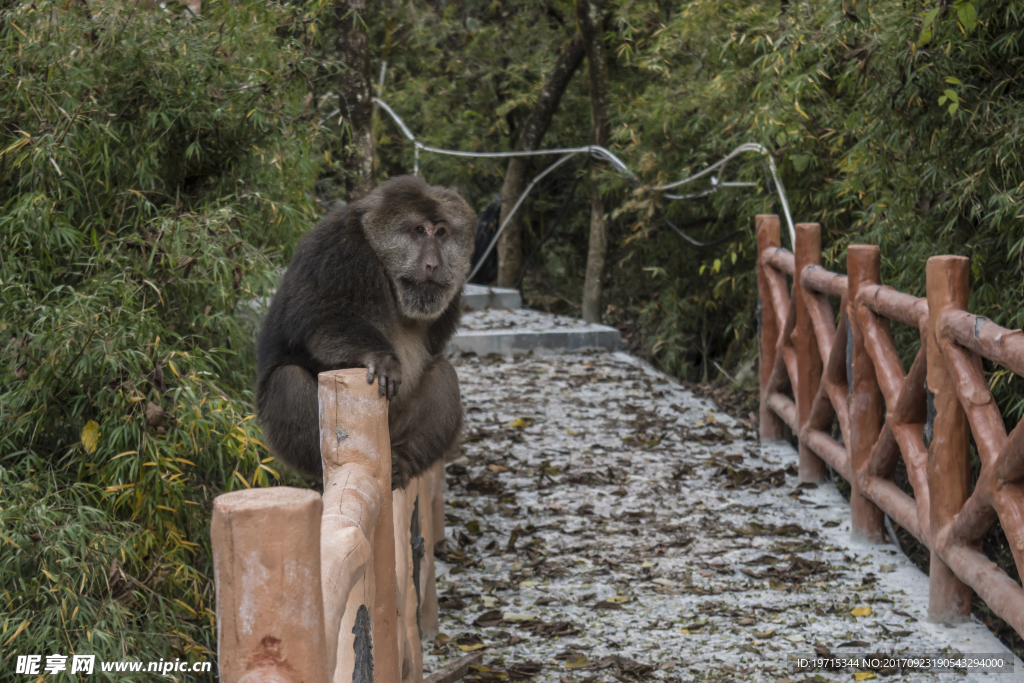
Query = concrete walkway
x=605 y=524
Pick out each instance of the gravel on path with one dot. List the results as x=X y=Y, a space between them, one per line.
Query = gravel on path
x=605 y=524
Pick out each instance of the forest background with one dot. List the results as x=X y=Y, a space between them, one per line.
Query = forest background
x=158 y=167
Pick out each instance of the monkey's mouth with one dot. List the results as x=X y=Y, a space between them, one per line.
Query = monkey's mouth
x=423 y=298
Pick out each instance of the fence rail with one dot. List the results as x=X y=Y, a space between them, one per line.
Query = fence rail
x=338 y=587
x=814 y=373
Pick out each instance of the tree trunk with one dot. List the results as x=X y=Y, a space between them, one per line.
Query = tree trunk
x=510 y=244
x=355 y=96
x=590 y=19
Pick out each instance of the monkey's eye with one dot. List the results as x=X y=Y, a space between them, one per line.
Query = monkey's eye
x=420 y=229
x=440 y=232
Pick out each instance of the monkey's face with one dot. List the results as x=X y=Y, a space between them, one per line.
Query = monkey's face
x=423 y=237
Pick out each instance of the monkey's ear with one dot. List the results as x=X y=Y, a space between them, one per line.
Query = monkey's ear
x=362 y=210
x=371 y=201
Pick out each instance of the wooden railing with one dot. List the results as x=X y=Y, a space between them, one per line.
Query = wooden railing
x=813 y=373
x=338 y=587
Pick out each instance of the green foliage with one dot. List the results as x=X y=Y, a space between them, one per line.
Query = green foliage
x=151 y=166
x=466 y=78
x=894 y=124
x=156 y=167
x=911 y=147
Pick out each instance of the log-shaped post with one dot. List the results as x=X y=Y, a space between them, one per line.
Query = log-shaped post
x=949 y=599
x=266 y=566
x=431 y=502
x=770 y=424
x=808 y=376
x=357 y=530
x=408 y=563
x=864 y=404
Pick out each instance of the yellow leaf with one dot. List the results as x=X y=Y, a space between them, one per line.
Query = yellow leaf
x=577 y=661
x=121 y=455
x=21 y=628
x=472 y=648
x=863 y=676
x=618 y=599
x=797 y=105
x=861 y=612
x=90 y=436
x=184 y=605
x=517 y=617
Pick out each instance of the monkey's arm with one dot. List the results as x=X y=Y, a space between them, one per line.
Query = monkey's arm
x=350 y=343
x=425 y=426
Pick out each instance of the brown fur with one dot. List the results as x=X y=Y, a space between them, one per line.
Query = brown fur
x=370 y=287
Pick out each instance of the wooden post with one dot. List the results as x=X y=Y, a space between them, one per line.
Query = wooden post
x=949 y=599
x=357 y=530
x=431 y=499
x=266 y=565
x=808 y=253
x=407 y=548
x=771 y=425
x=864 y=405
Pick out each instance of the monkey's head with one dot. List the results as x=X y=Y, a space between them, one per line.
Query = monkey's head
x=423 y=236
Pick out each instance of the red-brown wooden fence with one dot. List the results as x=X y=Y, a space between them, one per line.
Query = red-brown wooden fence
x=813 y=372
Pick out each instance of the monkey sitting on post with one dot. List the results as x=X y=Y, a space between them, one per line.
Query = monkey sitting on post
x=378 y=285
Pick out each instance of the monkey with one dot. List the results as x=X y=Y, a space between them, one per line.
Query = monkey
x=376 y=285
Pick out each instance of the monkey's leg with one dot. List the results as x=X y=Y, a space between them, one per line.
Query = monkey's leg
x=289 y=416
x=425 y=425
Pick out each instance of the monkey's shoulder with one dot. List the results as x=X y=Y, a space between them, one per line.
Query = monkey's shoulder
x=336 y=260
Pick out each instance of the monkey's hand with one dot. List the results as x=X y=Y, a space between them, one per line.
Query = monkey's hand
x=388 y=371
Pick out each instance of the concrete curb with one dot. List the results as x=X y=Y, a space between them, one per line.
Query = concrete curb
x=511 y=342
x=479 y=297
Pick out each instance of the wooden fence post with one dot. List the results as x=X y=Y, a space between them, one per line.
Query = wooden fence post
x=864 y=405
x=430 y=505
x=357 y=530
x=808 y=253
x=949 y=599
x=266 y=564
x=407 y=557
x=770 y=425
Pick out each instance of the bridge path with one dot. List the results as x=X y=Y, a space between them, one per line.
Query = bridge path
x=606 y=524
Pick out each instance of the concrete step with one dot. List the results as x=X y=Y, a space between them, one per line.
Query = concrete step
x=512 y=332
x=479 y=297
x=497 y=324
